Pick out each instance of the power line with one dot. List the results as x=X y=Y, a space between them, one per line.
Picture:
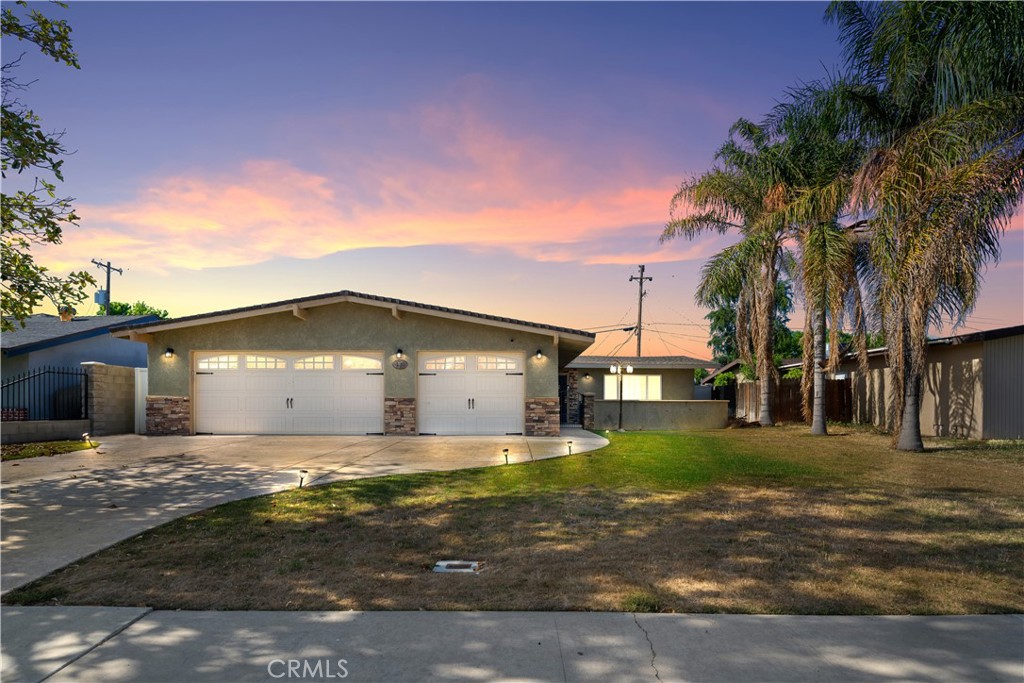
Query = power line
x=107 y=267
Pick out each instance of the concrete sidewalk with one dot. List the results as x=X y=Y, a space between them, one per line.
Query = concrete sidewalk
x=57 y=510
x=124 y=644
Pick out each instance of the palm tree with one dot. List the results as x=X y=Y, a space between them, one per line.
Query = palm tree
x=740 y=195
x=938 y=97
x=818 y=164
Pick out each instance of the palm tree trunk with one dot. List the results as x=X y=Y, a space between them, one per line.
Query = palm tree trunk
x=766 y=400
x=910 y=430
x=818 y=425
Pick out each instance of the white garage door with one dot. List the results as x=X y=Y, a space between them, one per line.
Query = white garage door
x=470 y=393
x=289 y=393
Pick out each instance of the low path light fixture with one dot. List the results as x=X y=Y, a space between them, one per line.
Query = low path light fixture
x=504 y=451
x=302 y=477
x=569 y=444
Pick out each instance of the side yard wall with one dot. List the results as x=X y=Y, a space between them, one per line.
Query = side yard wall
x=646 y=415
x=111 y=398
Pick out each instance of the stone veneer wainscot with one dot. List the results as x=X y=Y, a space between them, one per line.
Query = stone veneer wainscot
x=542 y=417
x=168 y=416
x=400 y=416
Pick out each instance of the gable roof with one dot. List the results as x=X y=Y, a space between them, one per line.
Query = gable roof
x=43 y=330
x=642 y=362
x=397 y=307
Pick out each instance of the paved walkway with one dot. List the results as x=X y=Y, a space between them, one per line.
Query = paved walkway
x=124 y=644
x=57 y=510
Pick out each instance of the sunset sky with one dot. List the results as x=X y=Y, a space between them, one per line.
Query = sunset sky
x=513 y=159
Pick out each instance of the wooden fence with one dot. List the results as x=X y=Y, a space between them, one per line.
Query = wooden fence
x=787 y=402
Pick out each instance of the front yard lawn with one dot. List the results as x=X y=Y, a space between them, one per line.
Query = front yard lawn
x=745 y=520
x=18 y=451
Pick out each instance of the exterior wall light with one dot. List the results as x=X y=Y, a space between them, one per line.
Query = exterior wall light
x=540 y=354
x=586 y=376
x=169 y=353
x=399 y=353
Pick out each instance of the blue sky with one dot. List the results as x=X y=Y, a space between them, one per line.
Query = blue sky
x=513 y=158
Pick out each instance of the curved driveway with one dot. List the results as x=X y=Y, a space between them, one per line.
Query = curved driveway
x=57 y=510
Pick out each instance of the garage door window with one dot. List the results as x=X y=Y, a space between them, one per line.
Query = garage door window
x=446 y=363
x=315 y=363
x=265 y=363
x=497 y=363
x=360 y=363
x=227 y=362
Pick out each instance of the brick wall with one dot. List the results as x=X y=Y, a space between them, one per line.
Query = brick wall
x=400 y=416
x=588 y=411
x=572 y=395
x=111 y=398
x=168 y=415
x=542 y=417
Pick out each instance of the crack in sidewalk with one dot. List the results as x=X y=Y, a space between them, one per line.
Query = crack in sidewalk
x=654 y=654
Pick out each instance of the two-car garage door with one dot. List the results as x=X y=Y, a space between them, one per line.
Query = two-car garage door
x=289 y=393
x=268 y=392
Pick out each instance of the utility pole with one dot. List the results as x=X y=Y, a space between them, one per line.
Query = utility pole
x=640 y=308
x=107 y=267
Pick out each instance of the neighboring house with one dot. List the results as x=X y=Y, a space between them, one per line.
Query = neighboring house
x=46 y=340
x=352 y=363
x=657 y=394
x=973 y=386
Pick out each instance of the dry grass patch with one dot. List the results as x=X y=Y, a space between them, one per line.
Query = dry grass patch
x=769 y=522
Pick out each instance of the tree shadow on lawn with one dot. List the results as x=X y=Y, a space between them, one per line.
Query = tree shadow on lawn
x=725 y=549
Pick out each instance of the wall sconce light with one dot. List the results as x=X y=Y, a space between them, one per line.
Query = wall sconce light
x=540 y=354
x=399 y=353
x=169 y=353
x=586 y=376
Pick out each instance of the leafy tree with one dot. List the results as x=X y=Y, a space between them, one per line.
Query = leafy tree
x=722 y=326
x=33 y=215
x=138 y=308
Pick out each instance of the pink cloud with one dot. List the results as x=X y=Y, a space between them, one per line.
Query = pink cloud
x=480 y=185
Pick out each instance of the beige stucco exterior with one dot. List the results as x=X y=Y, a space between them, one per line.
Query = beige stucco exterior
x=661 y=415
x=350 y=327
x=676 y=384
x=971 y=390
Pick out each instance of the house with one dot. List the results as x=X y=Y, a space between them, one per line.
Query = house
x=63 y=377
x=973 y=386
x=657 y=392
x=352 y=363
x=47 y=340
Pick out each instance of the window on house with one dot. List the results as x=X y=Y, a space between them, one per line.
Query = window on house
x=497 y=363
x=265 y=363
x=360 y=363
x=226 y=362
x=446 y=363
x=634 y=387
x=315 y=363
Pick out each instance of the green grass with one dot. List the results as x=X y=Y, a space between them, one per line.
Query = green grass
x=743 y=520
x=19 y=451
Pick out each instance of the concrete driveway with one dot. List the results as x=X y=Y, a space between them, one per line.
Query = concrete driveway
x=60 y=509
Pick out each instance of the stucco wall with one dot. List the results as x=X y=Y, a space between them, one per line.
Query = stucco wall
x=351 y=327
x=674 y=415
x=43 y=430
x=676 y=385
x=952 y=398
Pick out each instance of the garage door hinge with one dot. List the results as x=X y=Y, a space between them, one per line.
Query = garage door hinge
x=204 y=373
x=425 y=374
x=375 y=373
x=514 y=373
